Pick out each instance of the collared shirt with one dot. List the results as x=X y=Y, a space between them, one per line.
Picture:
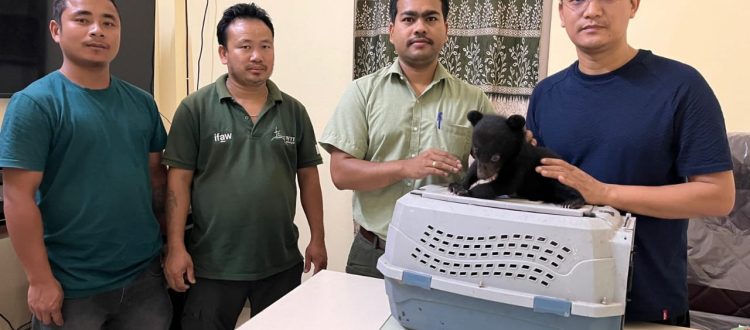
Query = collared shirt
x=381 y=119
x=244 y=185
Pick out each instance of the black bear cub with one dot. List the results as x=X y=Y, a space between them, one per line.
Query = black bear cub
x=507 y=162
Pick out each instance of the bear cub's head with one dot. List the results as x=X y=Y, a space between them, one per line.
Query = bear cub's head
x=495 y=140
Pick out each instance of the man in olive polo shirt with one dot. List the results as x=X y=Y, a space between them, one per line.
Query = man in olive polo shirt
x=400 y=128
x=234 y=151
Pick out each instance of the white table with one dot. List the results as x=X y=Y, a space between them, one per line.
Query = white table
x=328 y=300
x=334 y=300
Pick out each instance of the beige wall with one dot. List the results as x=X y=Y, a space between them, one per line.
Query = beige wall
x=3 y=104
x=169 y=73
x=13 y=286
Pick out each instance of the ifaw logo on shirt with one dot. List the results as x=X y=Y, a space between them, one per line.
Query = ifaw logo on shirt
x=222 y=137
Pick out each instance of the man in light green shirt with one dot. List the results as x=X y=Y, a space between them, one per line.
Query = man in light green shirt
x=400 y=128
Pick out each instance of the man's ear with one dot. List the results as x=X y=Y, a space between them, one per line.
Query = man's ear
x=55 y=30
x=223 y=54
x=562 y=15
x=390 y=32
x=634 y=7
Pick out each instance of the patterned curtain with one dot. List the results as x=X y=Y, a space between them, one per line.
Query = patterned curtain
x=498 y=45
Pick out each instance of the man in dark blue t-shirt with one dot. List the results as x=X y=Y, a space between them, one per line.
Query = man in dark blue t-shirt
x=641 y=133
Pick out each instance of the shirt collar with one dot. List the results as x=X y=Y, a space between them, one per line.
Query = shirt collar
x=274 y=93
x=440 y=72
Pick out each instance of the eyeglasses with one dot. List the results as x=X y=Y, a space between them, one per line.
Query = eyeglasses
x=578 y=5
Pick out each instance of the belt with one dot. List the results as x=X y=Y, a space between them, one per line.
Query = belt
x=372 y=238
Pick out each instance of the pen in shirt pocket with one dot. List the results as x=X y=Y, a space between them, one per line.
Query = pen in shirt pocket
x=439 y=119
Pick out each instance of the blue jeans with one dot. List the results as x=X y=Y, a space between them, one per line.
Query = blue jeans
x=143 y=304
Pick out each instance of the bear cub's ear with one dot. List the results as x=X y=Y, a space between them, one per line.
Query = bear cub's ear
x=516 y=122
x=474 y=116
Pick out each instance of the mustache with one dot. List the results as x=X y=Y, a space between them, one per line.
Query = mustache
x=591 y=25
x=256 y=67
x=420 y=39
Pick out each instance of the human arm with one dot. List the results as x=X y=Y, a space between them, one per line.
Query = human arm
x=312 y=203
x=703 y=195
x=24 y=223
x=350 y=135
x=158 y=187
x=348 y=172
x=178 y=264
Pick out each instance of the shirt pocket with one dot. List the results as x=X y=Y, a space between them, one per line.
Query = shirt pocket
x=455 y=139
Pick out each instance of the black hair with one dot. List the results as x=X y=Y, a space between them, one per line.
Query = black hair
x=241 y=10
x=59 y=6
x=394 y=10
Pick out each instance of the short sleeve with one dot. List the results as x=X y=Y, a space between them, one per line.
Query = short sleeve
x=182 y=145
x=159 y=134
x=347 y=129
x=307 y=147
x=702 y=138
x=26 y=135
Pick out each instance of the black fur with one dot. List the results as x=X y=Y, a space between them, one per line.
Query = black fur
x=499 y=147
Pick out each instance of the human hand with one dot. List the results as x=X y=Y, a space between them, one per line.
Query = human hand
x=432 y=162
x=45 y=299
x=593 y=191
x=178 y=265
x=317 y=255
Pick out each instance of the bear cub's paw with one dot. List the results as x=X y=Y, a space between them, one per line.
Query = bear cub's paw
x=458 y=189
x=576 y=203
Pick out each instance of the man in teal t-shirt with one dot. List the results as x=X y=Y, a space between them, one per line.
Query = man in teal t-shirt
x=81 y=154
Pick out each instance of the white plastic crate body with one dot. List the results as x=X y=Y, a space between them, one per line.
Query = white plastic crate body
x=511 y=256
x=417 y=308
